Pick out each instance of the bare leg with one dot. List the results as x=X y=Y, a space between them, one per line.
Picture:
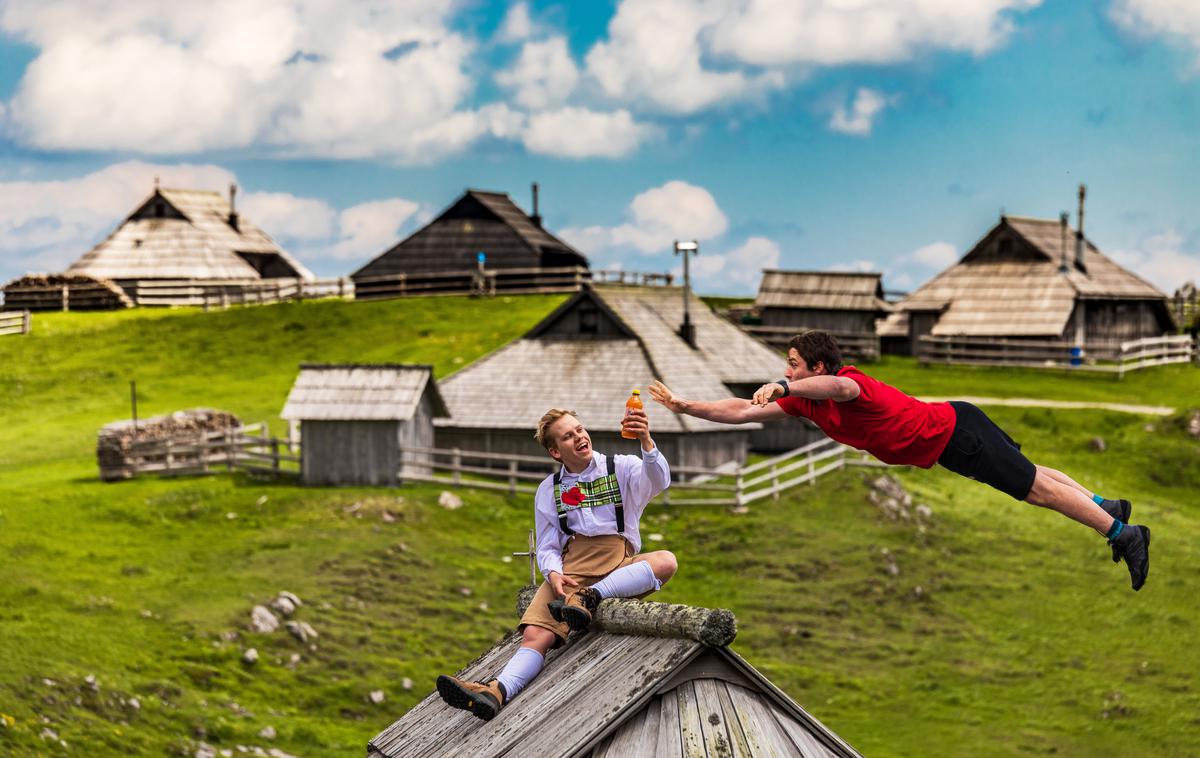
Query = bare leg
x=538 y=639
x=1061 y=477
x=1070 y=501
x=662 y=563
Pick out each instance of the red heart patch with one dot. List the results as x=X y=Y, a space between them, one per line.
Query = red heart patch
x=573 y=496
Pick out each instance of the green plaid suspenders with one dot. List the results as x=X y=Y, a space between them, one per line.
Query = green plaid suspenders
x=603 y=490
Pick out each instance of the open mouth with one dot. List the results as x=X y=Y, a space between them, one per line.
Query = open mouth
x=582 y=447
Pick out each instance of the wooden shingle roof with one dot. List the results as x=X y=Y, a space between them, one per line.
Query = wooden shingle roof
x=618 y=695
x=825 y=290
x=479 y=221
x=360 y=393
x=1027 y=295
x=182 y=234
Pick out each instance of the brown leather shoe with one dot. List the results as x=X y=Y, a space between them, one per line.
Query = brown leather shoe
x=577 y=610
x=482 y=700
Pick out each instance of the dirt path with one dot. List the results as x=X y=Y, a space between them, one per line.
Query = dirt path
x=1031 y=402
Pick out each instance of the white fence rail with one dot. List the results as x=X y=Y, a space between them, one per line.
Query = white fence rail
x=733 y=486
x=218 y=293
x=1107 y=358
x=490 y=281
x=15 y=322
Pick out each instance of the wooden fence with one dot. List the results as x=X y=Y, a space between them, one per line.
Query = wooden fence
x=726 y=486
x=1108 y=358
x=223 y=293
x=247 y=448
x=490 y=281
x=15 y=322
x=863 y=346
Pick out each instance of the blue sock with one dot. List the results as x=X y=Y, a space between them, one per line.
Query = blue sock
x=1115 y=530
x=1098 y=499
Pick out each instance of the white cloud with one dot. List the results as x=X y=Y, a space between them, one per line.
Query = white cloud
x=517 y=24
x=860 y=266
x=659 y=216
x=1176 y=20
x=285 y=216
x=46 y=225
x=739 y=270
x=1163 y=260
x=935 y=255
x=859 y=118
x=543 y=74
x=304 y=77
x=370 y=228
x=582 y=133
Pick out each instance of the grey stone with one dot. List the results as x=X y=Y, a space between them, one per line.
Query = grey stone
x=449 y=500
x=262 y=620
x=376 y=696
x=250 y=657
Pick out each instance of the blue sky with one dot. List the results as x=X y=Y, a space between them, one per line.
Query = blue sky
x=882 y=135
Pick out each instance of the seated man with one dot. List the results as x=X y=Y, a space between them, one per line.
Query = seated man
x=588 y=539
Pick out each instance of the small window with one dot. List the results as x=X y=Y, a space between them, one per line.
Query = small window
x=159 y=210
x=588 y=320
x=1006 y=246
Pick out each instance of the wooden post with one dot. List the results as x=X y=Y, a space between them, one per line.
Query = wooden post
x=456 y=466
x=66 y=298
x=275 y=456
x=26 y=322
x=229 y=455
x=512 y=477
x=170 y=455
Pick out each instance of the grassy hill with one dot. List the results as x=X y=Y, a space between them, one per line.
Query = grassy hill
x=1005 y=629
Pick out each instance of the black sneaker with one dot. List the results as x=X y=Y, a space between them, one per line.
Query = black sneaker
x=1121 y=511
x=578 y=609
x=1133 y=544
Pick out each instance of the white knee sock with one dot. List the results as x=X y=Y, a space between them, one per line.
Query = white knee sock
x=520 y=670
x=628 y=581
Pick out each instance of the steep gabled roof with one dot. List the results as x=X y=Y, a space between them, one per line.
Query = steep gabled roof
x=511 y=387
x=1025 y=295
x=182 y=234
x=478 y=221
x=389 y=392
x=823 y=290
x=621 y=695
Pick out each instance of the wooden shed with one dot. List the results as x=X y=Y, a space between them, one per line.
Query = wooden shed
x=356 y=421
x=590 y=352
x=637 y=693
x=847 y=304
x=478 y=222
x=1030 y=279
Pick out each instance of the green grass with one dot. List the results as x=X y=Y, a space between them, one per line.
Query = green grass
x=1023 y=638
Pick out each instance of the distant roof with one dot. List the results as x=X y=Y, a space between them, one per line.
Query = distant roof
x=626 y=695
x=360 y=393
x=478 y=221
x=1019 y=296
x=513 y=386
x=183 y=234
x=832 y=290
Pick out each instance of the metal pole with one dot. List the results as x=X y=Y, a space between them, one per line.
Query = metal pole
x=686 y=331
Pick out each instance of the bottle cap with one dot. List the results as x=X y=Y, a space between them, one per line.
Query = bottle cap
x=637 y=391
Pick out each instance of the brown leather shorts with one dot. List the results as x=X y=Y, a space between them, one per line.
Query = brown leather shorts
x=587 y=560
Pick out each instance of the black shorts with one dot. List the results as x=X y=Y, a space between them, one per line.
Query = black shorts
x=980 y=450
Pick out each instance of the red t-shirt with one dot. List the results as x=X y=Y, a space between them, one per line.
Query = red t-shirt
x=888 y=424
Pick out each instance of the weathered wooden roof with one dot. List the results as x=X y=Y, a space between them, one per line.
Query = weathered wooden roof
x=479 y=221
x=513 y=387
x=826 y=290
x=360 y=393
x=620 y=695
x=1024 y=296
x=182 y=234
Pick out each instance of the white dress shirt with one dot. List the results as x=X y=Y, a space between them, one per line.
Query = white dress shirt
x=639 y=479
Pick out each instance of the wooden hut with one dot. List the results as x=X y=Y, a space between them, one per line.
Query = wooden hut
x=843 y=303
x=1030 y=279
x=443 y=254
x=173 y=235
x=590 y=352
x=357 y=421
x=646 y=691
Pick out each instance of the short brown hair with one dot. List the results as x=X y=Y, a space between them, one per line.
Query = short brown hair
x=818 y=346
x=542 y=435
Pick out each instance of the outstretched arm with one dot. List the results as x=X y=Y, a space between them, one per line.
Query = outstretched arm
x=732 y=410
x=836 y=388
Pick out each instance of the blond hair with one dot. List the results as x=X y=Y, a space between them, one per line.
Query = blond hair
x=542 y=435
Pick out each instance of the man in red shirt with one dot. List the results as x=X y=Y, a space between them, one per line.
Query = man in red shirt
x=867 y=414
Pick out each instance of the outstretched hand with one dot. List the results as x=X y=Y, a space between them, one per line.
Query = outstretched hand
x=767 y=393
x=663 y=395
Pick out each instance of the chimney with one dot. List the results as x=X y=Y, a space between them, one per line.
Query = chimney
x=1064 y=264
x=1079 y=240
x=536 y=217
x=233 y=217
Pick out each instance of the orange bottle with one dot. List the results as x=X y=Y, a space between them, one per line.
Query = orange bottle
x=633 y=403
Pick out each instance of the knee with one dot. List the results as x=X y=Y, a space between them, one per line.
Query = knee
x=665 y=565
x=537 y=638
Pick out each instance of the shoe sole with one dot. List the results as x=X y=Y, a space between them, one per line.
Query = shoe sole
x=577 y=618
x=457 y=696
x=1146 y=534
x=556 y=609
